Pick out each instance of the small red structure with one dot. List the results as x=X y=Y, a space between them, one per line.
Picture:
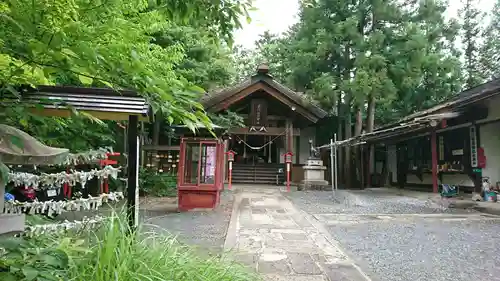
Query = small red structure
x=230 y=160
x=288 y=161
x=200 y=174
x=106 y=162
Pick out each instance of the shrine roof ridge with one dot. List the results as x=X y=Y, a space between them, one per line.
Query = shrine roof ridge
x=211 y=99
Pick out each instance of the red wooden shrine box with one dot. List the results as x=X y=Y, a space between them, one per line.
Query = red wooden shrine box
x=200 y=173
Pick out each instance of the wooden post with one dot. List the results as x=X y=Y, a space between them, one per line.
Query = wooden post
x=270 y=151
x=133 y=172
x=244 y=147
x=362 y=166
x=434 y=162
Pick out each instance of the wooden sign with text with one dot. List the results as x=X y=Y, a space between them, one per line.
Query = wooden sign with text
x=258 y=113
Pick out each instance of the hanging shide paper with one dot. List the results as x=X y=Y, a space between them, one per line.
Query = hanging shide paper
x=57 y=180
x=85 y=224
x=57 y=207
x=89 y=157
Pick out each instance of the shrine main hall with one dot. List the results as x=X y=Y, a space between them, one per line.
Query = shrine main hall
x=277 y=120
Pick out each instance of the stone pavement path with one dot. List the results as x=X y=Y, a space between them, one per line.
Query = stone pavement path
x=280 y=242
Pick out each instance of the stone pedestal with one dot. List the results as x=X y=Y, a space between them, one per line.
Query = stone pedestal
x=314 y=176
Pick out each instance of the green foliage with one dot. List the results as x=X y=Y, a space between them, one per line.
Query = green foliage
x=112 y=252
x=206 y=62
x=228 y=120
x=471 y=29
x=490 y=50
x=39 y=259
x=113 y=44
x=342 y=52
x=157 y=184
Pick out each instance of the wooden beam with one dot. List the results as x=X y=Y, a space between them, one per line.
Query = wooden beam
x=270 y=131
x=103 y=115
x=269 y=117
x=161 y=147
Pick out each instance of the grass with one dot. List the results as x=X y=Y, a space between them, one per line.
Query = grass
x=111 y=254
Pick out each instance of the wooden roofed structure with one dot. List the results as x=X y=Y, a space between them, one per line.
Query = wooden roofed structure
x=102 y=103
x=444 y=139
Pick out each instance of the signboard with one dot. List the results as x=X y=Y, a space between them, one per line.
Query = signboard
x=258 y=113
x=473 y=146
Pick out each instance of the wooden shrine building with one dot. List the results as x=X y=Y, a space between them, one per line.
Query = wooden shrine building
x=277 y=120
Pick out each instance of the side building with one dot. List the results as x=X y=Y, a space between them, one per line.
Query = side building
x=456 y=142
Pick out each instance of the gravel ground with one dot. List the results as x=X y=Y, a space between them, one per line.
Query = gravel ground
x=360 y=202
x=206 y=230
x=423 y=250
x=418 y=249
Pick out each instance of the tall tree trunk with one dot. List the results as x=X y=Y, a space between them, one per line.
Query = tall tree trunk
x=347 y=116
x=370 y=126
x=340 y=152
x=358 y=127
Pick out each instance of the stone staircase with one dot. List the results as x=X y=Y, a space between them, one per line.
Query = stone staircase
x=261 y=173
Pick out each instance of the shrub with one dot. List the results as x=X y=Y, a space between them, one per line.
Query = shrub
x=157 y=184
x=111 y=253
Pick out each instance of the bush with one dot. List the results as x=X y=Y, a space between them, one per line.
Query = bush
x=157 y=184
x=110 y=254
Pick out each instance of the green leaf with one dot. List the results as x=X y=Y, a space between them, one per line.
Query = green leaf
x=7 y=276
x=11 y=243
x=23 y=122
x=196 y=89
x=85 y=80
x=30 y=273
x=56 y=258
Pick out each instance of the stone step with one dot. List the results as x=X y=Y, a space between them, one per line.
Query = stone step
x=256 y=181
x=256 y=176
x=250 y=171
x=258 y=168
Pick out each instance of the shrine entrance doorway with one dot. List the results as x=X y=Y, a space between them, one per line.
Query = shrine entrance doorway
x=200 y=173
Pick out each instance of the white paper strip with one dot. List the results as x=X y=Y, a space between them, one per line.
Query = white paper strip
x=57 y=180
x=85 y=224
x=58 y=207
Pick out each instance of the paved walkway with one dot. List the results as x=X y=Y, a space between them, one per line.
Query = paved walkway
x=280 y=242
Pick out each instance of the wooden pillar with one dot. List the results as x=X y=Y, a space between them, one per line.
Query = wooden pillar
x=244 y=147
x=270 y=151
x=225 y=165
x=362 y=166
x=289 y=134
x=133 y=172
x=434 y=162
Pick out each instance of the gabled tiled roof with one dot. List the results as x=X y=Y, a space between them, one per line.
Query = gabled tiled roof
x=209 y=100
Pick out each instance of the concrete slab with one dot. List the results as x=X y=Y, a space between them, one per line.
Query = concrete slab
x=280 y=266
x=275 y=277
x=303 y=263
x=294 y=236
x=340 y=272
